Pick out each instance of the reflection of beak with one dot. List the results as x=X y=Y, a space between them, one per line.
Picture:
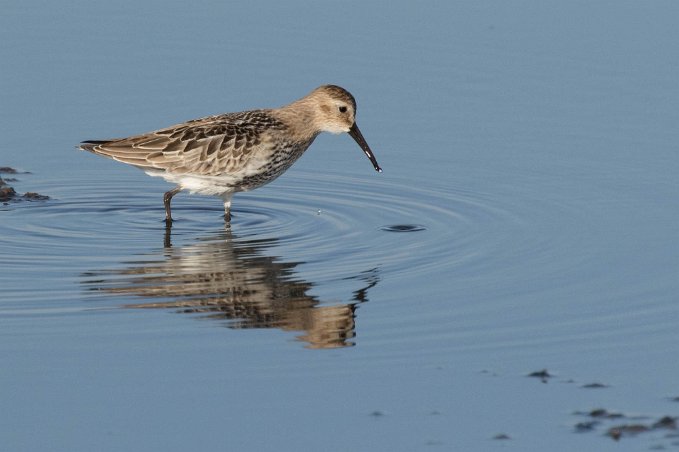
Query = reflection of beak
x=356 y=135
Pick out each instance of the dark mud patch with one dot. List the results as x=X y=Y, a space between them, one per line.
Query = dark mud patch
x=618 y=425
x=33 y=196
x=595 y=385
x=8 y=193
x=543 y=375
x=502 y=437
x=664 y=423
x=601 y=413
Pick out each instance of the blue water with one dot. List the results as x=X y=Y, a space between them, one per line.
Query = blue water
x=526 y=219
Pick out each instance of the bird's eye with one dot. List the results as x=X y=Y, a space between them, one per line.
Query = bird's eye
x=343 y=109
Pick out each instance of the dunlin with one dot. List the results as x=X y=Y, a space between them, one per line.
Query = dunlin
x=224 y=154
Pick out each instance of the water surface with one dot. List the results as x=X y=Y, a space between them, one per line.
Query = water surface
x=526 y=219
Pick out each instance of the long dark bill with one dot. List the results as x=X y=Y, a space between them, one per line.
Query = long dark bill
x=356 y=135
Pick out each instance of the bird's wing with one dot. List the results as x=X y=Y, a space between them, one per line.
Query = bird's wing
x=211 y=146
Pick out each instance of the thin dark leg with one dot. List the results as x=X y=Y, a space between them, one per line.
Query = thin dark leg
x=227 y=207
x=166 y=199
x=167 y=239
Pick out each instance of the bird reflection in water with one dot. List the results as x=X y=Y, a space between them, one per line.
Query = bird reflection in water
x=231 y=280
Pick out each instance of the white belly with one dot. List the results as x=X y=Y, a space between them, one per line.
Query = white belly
x=202 y=185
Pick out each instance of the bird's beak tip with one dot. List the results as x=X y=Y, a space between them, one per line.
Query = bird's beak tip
x=358 y=137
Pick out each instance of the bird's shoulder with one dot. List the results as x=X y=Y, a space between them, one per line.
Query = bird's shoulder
x=246 y=124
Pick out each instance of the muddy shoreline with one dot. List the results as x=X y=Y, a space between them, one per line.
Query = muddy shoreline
x=9 y=194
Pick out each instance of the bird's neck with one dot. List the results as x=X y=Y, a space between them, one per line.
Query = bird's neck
x=301 y=119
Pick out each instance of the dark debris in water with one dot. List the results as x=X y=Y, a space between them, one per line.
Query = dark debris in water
x=33 y=196
x=543 y=375
x=627 y=429
x=602 y=416
x=7 y=192
x=664 y=423
x=602 y=413
x=501 y=437
x=403 y=228
x=586 y=426
x=617 y=425
x=595 y=386
x=667 y=422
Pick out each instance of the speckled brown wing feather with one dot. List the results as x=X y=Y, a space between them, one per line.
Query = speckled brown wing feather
x=209 y=146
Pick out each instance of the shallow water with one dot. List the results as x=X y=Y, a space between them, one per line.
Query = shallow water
x=526 y=219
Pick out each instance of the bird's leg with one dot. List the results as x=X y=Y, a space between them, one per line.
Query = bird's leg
x=167 y=238
x=227 y=207
x=166 y=199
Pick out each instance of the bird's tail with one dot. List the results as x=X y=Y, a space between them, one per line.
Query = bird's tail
x=89 y=145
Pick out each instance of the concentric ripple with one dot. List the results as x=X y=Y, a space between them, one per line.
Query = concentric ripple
x=404 y=228
x=335 y=224
x=311 y=241
x=339 y=223
x=303 y=243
